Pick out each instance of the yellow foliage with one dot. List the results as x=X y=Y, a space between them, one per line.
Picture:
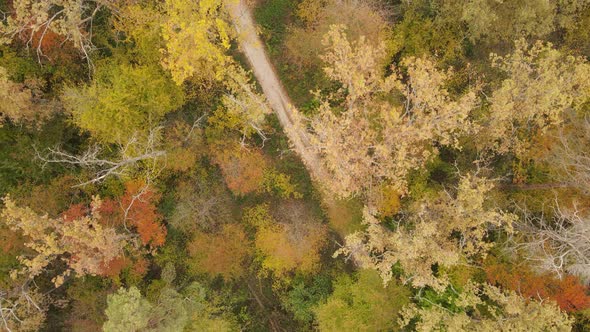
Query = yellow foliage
x=386 y=200
x=280 y=184
x=310 y=11
x=197 y=39
x=543 y=85
x=375 y=139
x=488 y=309
x=222 y=253
x=443 y=231
x=290 y=244
x=17 y=101
x=88 y=244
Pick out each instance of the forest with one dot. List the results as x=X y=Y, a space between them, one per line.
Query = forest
x=294 y=165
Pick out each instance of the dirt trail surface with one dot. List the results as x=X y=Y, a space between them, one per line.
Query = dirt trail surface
x=277 y=97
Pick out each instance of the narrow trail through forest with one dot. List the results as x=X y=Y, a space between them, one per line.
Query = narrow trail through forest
x=253 y=48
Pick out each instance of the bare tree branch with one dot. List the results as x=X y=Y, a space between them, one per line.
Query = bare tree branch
x=130 y=154
x=559 y=244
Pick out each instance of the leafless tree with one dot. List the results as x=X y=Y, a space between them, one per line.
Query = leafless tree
x=559 y=243
x=73 y=20
x=201 y=204
x=20 y=306
x=573 y=155
x=130 y=154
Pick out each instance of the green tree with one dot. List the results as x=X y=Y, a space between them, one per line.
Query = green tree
x=302 y=299
x=362 y=304
x=127 y=310
x=123 y=101
x=493 y=21
x=173 y=311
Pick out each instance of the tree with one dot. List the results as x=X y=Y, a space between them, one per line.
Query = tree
x=486 y=308
x=139 y=208
x=197 y=38
x=72 y=19
x=83 y=244
x=122 y=102
x=575 y=17
x=243 y=102
x=221 y=253
x=22 y=309
x=542 y=87
x=184 y=145
x=367 y=140
x=242 y=169
x=141 y=25
x=569 y=157
x=139 y=156
x=279 y=184
x=201 y=203
x=21 y=103
x=52 y=198
x=88 y=298
x=441 y=231
x=127 y=310
x=362 y=304
x=492 y=21
x=569 y=294
x=430 y=28
x=290 y=241
x=558 y=243
x=303 y=298
x=188 y=309
x=303 y=45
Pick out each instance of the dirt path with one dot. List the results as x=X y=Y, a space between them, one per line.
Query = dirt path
x=277 y=97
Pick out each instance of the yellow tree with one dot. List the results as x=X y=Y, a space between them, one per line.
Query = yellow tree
x=371 y=137
x=72 y=19
x=543 y=85
x=83 y=243
x=488 y=309
x=444 y=230
x=289 y=241
x=197 y=38
x=18 y=101
x=123 y=102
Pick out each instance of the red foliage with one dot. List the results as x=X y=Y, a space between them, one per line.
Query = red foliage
x=242 y=169
x=111 y=213
x=140 y=267
x=114 y=267
x=140 y=203
x=54 y=47
x=11 y=242
x=75 y=211
x=568 y=292
x=143 y=213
